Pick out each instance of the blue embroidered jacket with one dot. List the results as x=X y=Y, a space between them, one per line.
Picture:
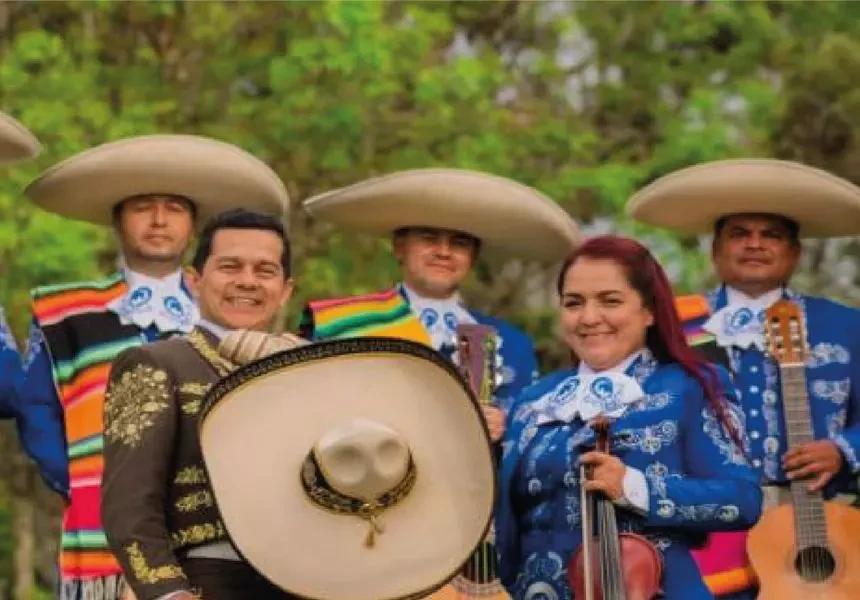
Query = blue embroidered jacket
x=10 y=372
x=698 y=481
x=833 y=384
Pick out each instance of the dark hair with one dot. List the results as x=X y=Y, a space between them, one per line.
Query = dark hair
x=665 y=338
x=403 y=231
x=791 y=226
x=116 y=211
x=240 y=218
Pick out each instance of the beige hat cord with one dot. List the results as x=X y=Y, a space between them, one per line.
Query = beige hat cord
x=325 y=496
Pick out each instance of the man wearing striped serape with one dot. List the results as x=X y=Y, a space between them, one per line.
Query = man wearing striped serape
x=150 y=190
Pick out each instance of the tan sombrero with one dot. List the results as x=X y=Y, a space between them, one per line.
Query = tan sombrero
x=508 y=217
x=693 y=199
x=215 y=175
x=355 y=469
x=16 y=142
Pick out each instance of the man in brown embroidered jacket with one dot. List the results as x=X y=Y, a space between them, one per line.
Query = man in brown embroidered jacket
x=158 y=510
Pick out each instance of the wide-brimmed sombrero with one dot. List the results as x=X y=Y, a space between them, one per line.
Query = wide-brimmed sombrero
x=215 y=175
x=356 y=469
x=508 y=217
x=693 y=199
x=16 y=141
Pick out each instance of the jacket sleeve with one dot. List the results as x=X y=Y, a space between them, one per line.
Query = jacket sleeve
x=848 y=440
x=140 y=427
x=719 y=491
x=40 y=422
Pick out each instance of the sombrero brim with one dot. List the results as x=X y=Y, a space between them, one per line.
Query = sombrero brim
x=216 y=176
x=16 y=141
x=693 y=199
x=508 y=217
x=258 y=425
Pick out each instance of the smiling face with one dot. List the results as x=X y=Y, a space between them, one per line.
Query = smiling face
x=242 y=283
x=755 y=253
x=604 y=319
x=434 y=261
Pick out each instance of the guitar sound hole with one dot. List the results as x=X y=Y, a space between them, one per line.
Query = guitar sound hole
x=815 y=563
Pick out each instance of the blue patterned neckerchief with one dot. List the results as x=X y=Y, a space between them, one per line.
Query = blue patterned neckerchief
x=165 y=304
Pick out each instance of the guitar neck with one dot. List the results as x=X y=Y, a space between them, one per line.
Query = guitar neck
x=810 y=524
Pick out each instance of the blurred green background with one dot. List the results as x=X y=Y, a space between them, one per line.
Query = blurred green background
x=586 y=101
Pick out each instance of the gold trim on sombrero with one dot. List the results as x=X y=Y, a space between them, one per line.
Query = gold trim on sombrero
x=268 y=414
x=324 y=495
x=508 y=217
x=214 y=175
x=691 y=200
x=17 y=143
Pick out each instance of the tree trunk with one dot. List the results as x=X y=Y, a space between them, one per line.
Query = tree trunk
x=23 y=528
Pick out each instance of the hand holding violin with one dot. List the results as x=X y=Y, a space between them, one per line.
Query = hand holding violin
x=607 y=474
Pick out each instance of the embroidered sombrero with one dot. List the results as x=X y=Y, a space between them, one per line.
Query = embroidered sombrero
x=508 y=217
x=215 y=175
x=693 y=199
x=356 y=469
x=16 y=142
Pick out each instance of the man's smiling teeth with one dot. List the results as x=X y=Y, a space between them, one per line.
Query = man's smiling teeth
x=245 y=301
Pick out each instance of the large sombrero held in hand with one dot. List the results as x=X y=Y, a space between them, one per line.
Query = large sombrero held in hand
x=693 y=199
x=508 y=217
x=355 y=469
x=215 y=175
x=16 y=141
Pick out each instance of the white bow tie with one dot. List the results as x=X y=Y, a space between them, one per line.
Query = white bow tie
x=588 y=396
x=738 y=326
x=149 y=302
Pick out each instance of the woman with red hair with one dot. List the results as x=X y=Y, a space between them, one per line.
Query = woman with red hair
x=676 y=468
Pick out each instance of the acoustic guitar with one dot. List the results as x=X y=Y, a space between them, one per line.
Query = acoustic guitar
x=477 y=362
x=808 y=549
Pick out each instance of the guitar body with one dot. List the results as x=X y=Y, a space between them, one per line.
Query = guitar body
x=773 y=551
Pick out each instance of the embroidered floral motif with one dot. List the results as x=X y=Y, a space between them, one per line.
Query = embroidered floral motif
x=199 y=342
x=194 y=501
x=719 y=436
x=649 y=439
x=134 y=402
x=833 y=391
x=197 y=534
x=194 y=388
x=542 y=578
x=192 y=475
x=34 y=345
x=192 y=407
x=652 y=402
x=147 y=574
x=824 y=353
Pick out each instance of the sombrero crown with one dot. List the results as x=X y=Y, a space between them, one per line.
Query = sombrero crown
x=691 y=200
x=508 y=217
x=214 y=175
x=356 y=469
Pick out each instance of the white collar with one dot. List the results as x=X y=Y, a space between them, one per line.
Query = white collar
x=736 y=298
x=439 y=317
x=162 y=302
x=621 y=367
x=217 y=330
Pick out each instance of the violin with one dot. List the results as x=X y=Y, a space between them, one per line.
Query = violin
x=624 y=566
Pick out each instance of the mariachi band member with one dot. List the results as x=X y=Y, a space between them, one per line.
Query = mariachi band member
x=758 y=210
x=151 y=190
x=675 y=468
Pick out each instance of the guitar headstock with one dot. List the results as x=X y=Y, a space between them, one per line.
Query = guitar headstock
x=476 y=358
x=785 y=333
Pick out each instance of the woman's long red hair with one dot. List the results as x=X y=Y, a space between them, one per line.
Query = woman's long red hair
x=665 y=338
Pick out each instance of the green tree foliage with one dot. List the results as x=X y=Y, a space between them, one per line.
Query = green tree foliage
x=586 y=101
